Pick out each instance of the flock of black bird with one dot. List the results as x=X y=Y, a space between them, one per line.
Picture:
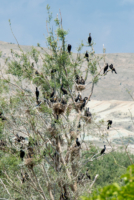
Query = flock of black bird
x=79 y=80
x=111 y=67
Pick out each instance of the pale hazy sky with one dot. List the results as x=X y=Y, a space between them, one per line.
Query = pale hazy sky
x=110 y=22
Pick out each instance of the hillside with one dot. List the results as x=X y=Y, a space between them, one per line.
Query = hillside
x=111 y=87
x=110 y=99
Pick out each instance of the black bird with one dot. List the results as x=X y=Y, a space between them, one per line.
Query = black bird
x=112 y=68
x=22 y=154
x=77 y=79
x=87 y=113
x=22 y=138
x=88 y=175
x=36 y=72
x=89 y=39
x=87 y=56
x=77 y=98
x=37 y=94
x=19 y=138
x=64 y=102
x=52 y=94
x=82 y=81
x=2 y=117
x=44 y=153
x=24 y=177
x=109 y=123
x=80 y=177
x=103 y=150
x=69 y=48
x=52 y=73
x=2 y=143
x=53 y=100
x=63 y=90
x=79 y=125
x=84 y=103
x=77 y=142
x=64 y=196
x=105 y=68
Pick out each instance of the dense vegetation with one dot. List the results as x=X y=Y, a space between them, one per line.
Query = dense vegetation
x=115 y=190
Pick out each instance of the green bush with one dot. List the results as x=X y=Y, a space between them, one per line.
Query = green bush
x=115 y=191
x=109 y=167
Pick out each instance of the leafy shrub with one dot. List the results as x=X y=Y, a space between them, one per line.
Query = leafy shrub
x=115 y=191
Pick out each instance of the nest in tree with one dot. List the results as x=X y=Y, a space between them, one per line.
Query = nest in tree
x=59 y=108
x=73 y=134
x=52 y=131
x=80 y=87
x=87 y=119
x=30 y=162
x=78 y=105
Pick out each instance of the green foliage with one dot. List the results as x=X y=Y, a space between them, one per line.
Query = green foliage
x=0 y=54
x=61 y=33
x=96 y=79
x=115 y=191
x=15 y=68
x=110 y=167
x=9 y=162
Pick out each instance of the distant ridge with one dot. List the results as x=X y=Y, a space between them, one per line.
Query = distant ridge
x=110 y=87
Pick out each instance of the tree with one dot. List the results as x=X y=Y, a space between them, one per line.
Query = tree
x=50 y=165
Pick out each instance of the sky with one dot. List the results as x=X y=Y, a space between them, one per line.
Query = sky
x=110 y=22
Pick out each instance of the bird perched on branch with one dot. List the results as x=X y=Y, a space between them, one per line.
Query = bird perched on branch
x=87 y=174
x=2 y=117
x=77 y=142
x=52 y=94
x=83 y=104
x=63 y=101
x=54 y=99
x=105 y=68
x=87 y=56
x=103 y=150
x=2 y=143
x=24 y=177
x=79 y=125
x=82 y=81
x=112 y=68
x=36 y=72
x=52 y=73
x=37 y=94
x=77 y=98
x=87 y=113
x=64 y=196
x=69 y=47
x=22 y=154
x=77 y=78
x=109 y=124
x=89 y=39
x=80 y=177
x=64 y=90
x=19 y=138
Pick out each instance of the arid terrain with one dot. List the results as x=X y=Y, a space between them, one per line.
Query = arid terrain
x=110 y=99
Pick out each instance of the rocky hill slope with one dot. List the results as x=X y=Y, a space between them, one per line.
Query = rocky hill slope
x=110 y=99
